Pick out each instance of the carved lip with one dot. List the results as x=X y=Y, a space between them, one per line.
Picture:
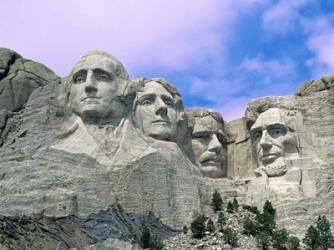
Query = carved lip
x=210 y=161
x=160 y=122
x=89 y=97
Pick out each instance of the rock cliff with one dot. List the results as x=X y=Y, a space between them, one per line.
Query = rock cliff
x=66 y=157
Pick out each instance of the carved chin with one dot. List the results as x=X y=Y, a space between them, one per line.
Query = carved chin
x=161 y=131
x=211 y=171
x=277 y=168
x=164 y=135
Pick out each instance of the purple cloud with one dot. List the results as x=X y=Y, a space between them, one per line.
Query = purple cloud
x=167 y=36
x=170 y=34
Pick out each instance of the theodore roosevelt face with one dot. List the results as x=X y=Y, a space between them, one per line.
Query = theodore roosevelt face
x=207 y=139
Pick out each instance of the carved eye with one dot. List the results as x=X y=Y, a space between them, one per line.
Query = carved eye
x=257 y=135
x=169 y=103
x=146 y=102
x=102 y=76
x=276 y=132
x=78 y=78
x=201 y=135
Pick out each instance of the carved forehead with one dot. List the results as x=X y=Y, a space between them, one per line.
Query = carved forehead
x=198 y=113
x=154 y=88
x=100 y=60
x=271 y=116
x=175 y=94
x=93 y=62
x=206 y=124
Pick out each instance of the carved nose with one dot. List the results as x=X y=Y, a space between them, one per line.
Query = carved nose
x=90 y=85
x=161 y=108
x=265 y=141
x=214 y=145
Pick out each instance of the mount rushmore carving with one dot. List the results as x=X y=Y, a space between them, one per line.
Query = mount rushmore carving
x=76 y=145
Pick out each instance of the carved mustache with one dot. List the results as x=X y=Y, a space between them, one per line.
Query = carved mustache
x=210 y=156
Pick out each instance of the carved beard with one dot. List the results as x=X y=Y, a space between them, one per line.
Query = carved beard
x=275 y=169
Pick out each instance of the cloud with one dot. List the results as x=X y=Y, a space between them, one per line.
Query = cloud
x=169 y=34
x=322 y=46
x=234 y=109
x=255 y=77
x=280 y=67
x=282 y=17
x=191 y=43
x=321 y=43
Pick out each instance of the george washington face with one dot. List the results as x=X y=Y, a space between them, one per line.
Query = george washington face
x=94 y=89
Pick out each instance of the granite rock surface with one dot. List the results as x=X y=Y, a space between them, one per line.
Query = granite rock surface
x=57 y=164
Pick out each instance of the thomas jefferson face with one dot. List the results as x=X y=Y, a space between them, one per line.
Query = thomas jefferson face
x=272 y=139
x=207 y=137
x=155 y=112
x=93 y=92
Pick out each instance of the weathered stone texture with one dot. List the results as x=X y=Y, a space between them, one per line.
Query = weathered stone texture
x=112 y=228
x=239 y=150
x=18 y=78
x=57 y=163
x=306 y=190
x=309 y=87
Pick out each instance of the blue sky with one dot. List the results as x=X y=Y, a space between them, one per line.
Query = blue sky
x=218 y=53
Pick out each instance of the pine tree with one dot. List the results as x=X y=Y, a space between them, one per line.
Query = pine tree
x=280 y=239
x=230 y=236
x=198 y=226
x=185 y=229
x=266 y=219
x=293 y=243
x=266 y=222
x=268 y=208
x=263 y=240
x=230 y=208
x=156 y=243
x=217 y=201
x=251 y=209
x=145 y=238
x=221 y=220
x=250 y=227
x=311 y=239
x=319 y=237
x=325 y=234
x=235 y=204
x=210 y=226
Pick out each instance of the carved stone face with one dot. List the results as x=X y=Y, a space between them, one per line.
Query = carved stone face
x=273 y=141
x=155 y=112
x=207 y=137
x=93 y=93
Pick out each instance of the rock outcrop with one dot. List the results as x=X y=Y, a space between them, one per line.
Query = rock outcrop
x=112 y=228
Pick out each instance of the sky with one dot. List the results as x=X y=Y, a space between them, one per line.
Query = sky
x=220 y=54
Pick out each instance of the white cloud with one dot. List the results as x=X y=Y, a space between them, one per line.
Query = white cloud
x=280 y=18
x=274 y=67
x=233 y=109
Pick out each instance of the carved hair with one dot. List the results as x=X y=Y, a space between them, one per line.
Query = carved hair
x=200 y=113
x=126 y=94
x=140 y=84
x=252 y=114
x=118 y=67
